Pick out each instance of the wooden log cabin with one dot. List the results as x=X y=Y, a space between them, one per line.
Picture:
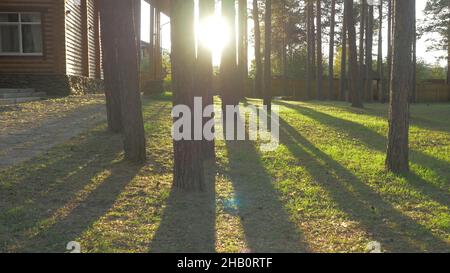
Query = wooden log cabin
x=52 y=46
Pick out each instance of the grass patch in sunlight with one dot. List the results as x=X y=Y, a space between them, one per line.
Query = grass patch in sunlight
x=323 y=190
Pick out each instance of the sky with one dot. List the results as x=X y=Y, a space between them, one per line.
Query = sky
x=422 y=44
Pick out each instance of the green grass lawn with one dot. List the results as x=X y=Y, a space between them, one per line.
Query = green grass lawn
x=323 y=190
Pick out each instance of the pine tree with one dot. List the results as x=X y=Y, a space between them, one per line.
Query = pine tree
x=268 y=55
x=258 y=58
x=188 y=171
x=354 y=70
x=331 y=51
x=204 y=74
x=319 y=71
x=397 y=159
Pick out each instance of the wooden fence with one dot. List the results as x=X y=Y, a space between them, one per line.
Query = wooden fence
x=427 y=91
x=433 y=91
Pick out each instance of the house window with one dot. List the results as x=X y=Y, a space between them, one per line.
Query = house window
x=20 y=33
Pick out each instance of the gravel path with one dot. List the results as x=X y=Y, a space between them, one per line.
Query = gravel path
x=28 y=130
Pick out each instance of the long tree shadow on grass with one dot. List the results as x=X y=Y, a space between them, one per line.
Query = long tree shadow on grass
x=188 y=221
x=54 y=197
x=421 y=115
x=81 y=215
x=396 y=232
x=266 y=223
x=378 y=142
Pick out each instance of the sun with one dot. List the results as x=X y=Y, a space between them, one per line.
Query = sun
x=213 y=32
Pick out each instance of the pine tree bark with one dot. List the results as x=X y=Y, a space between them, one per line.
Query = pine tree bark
x=258 y=57
x=284 y=60
x=319 y=71
x=246 y=41
x=229 y=67
x=313 y=43
x=380 y=53
x=108 y=14
x=310 y=51
x=343 y=77
x=267 y=56
x=448 y=51
x=448 y=55
x=369 y=46
x=331 y=51
x=128 y=81
x=389 y=53
x=242 y=41
x=354 y=70
x=204 y=75
x=401 y=85
x=362 y=71
x=188 y=165
x=414 y=52
x=137 y=26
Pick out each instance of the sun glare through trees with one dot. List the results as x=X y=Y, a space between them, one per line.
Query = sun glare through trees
x=225 y=126
x=214 y=33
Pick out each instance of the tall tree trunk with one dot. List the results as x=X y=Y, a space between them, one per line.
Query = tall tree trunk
x=284 y=61
x=204 y=74
x=242 y=41
x=448 y=51
x=229 y=67
x=267 y=56
x=362 y=29
x=380 y=53
x=389 y=53
x=331 y=52
x=369 y=45
x=130 y=96
x=110 y=41
x=188 y=164
x=401 y=84
x=414 y=52
x=448 y=56
x=258 y=60
x=310 y=52
x=353 y=58
x=290 y=60
x=246 y=41
x=343 y=78
x=313 y=40
x=137 y=26
x=319 y=71
x=229 y=72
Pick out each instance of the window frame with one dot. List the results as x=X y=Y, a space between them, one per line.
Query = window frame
x=19 y=23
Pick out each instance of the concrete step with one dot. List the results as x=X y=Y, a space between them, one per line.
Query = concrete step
x=22 y=95
x=16 y=90
x=19 y=100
